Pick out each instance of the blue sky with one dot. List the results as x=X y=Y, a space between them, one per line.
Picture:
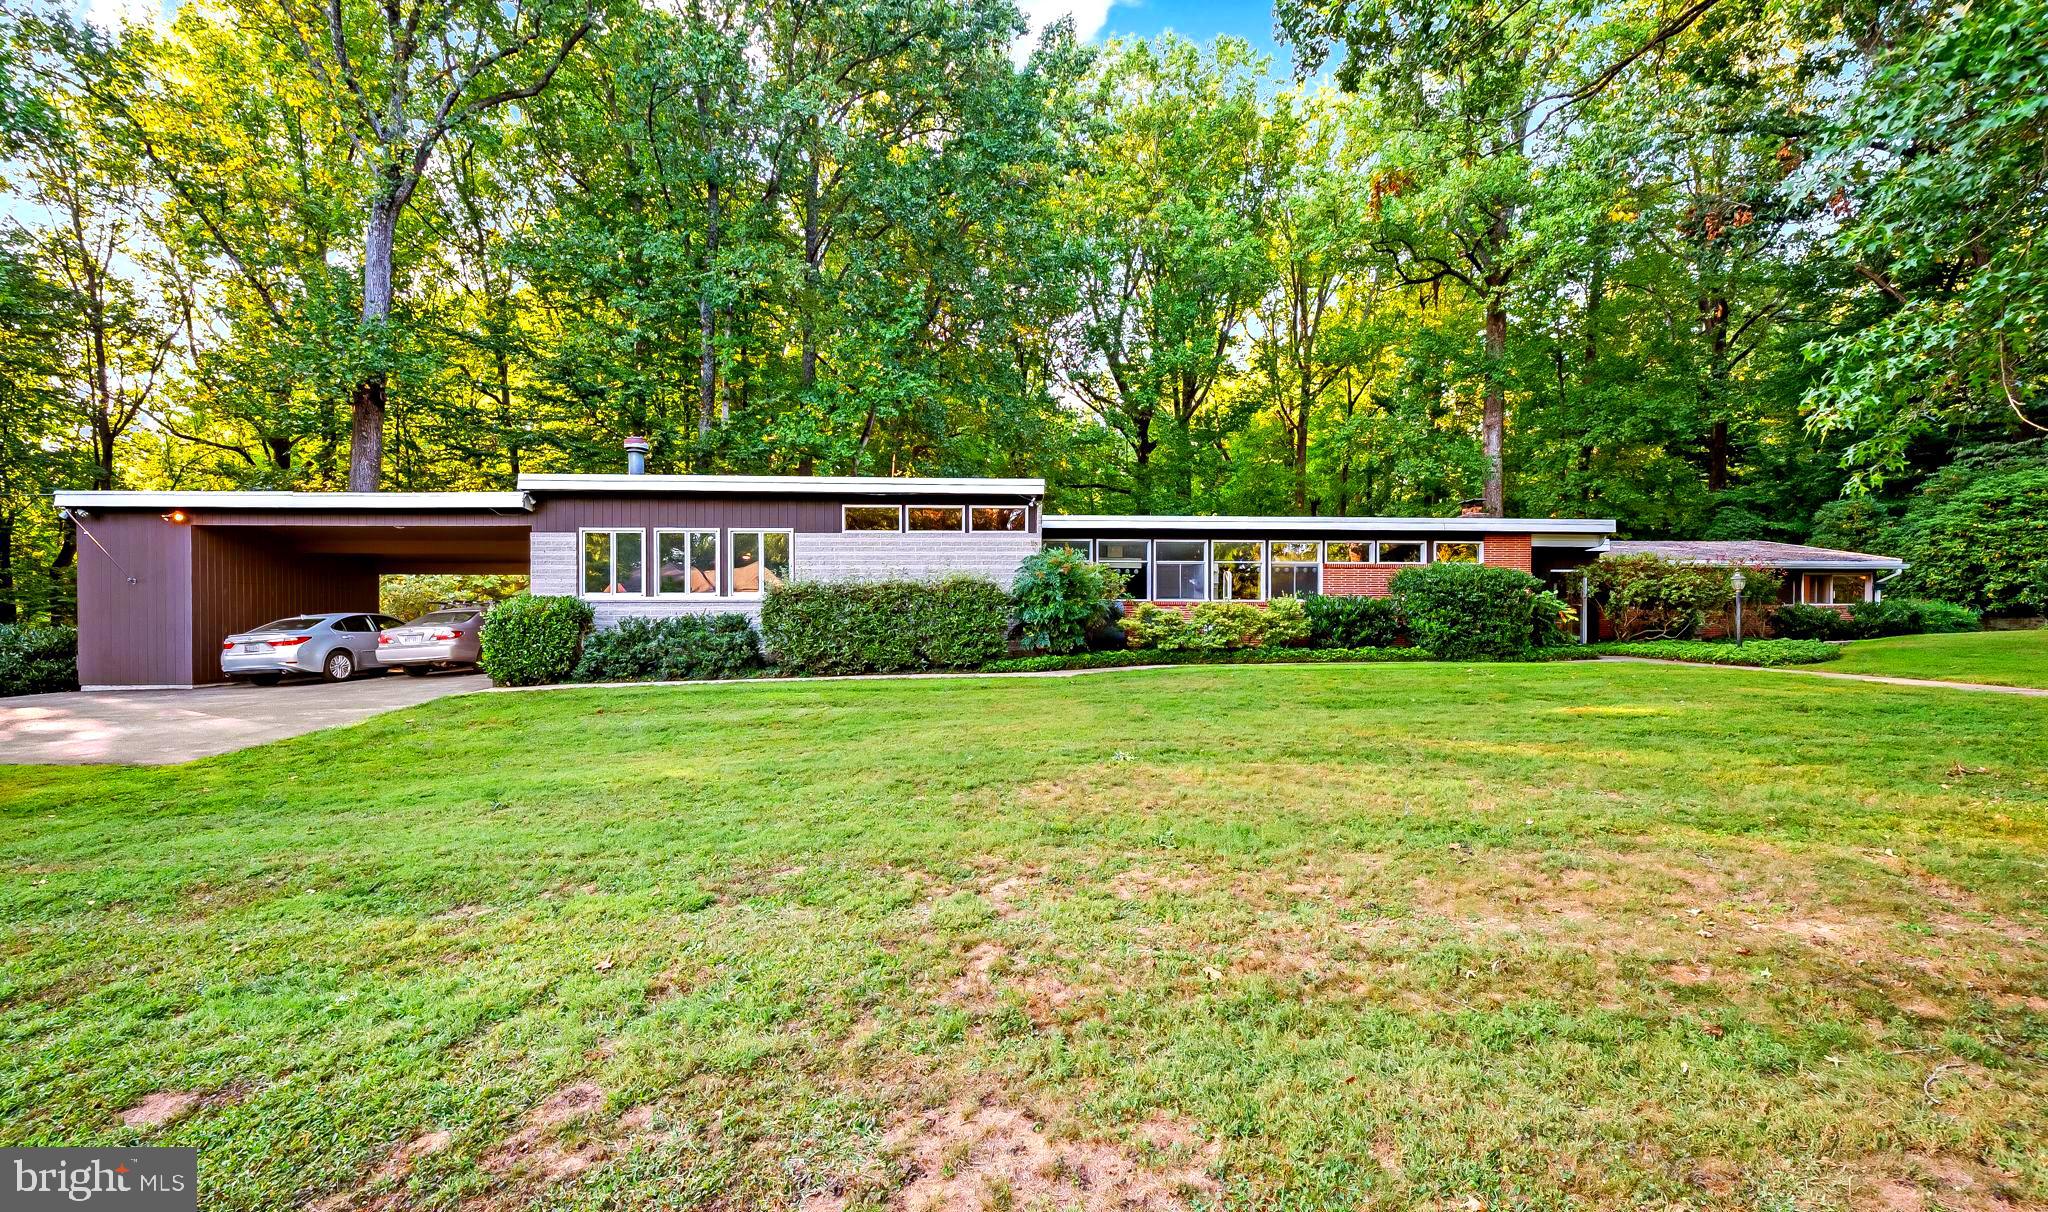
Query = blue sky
x=1200 y=20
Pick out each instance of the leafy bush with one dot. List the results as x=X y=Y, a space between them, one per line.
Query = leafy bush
x=1552 y=620
x=1465 y=611
x=1647 y=597
x=1353 y=622
x=1243 y=656
x=1910 y=616
x=1212 y=626
x=960 y=622
x=686 y=648
x=1060 y=598
x=1797 y=621
x=529 y=640
x=1763 y=653
x=1973 y=534
x=37 y=659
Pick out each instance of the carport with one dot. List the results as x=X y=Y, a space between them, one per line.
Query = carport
x=162 y=576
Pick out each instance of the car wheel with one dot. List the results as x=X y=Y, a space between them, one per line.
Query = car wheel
x=417 y=671
x=266 y=679
x=340 y=666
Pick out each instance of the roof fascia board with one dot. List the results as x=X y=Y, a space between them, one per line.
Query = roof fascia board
x=370 y=501
x=1532 y=526
x=785 y=485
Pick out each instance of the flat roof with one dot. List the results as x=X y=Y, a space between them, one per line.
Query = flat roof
x=411 y=502
x=786 y=485
x=1755 y=551
x=1327 y=525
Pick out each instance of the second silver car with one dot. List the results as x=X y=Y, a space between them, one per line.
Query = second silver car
x=445 y=639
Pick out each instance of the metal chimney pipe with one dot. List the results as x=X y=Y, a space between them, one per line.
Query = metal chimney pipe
x=636 y=455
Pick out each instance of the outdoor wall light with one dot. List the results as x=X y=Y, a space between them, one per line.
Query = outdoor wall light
x=177 y=517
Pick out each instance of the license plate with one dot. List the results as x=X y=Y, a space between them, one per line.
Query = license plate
x=409 y=637
x=252 y=648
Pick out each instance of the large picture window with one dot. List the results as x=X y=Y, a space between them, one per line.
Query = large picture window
x=1836 y=588
x=760 y=561
x=1457 y=553
x=613 y=562
x=1239 y=567
x=686 y=563
x=936 y=518
x=1401 y=551
x=1182 y=568
x=1359 y=552
x=1127 y=556
x=1000 y=517
x=1297 y=570
x=871 y=518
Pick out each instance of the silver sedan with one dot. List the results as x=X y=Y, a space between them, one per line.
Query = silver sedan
x=441 y=640
x=333 y=646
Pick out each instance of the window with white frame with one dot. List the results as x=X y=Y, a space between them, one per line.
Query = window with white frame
x=871 y=518
x=1458 y=553
x=1127 y=556
x=1358 y=551
x=1000 y=518
x=1181 y=568
x=760 y=561
x=613 y=562
x=1836 y=588
x=1238 y=567
x=1402 y=551
x=1297 y=569
x=940 y=518
x=686 y=563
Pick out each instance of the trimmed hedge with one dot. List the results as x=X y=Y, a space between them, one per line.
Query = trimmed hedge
x=1868 y=620
x=1353 y=622
x=1212 y=626
x=959 y=622
x=1762 y=653
x=37 y=659
x=687 y=648
x=1246 y=656
x=1468 y=611
x=530 y=640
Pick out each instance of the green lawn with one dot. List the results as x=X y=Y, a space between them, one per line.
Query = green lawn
x=1550 y=936
x=2002 y=658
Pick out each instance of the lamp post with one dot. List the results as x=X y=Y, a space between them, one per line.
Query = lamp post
x=1736 y=581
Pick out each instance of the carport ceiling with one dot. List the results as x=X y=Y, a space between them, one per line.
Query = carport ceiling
x=495 y=548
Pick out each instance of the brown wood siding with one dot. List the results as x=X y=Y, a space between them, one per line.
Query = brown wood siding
x=804 y=515
x=443 y=518
x=242 y=580
x=139 y=634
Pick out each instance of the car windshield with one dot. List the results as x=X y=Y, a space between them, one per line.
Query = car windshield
x=293 y=624
x=442 y=616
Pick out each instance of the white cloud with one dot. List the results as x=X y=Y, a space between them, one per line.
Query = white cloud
x=1089 y=18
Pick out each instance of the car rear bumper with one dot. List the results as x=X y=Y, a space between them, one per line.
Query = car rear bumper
x=232 y=663
x=446 y=652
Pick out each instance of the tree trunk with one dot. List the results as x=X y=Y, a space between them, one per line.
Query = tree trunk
x=1301 y=447
x=1493 y=426
x=366 y=431
x=1714 y=319
x=813 y=244
x=8 y=612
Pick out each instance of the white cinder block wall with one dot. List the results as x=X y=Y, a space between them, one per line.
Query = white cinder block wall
x=813 y=557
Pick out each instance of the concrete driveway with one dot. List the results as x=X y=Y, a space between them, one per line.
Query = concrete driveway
x=158 y=727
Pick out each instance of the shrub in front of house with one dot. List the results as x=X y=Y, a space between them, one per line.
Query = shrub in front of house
x=1353 y=622
x=530 y=640
x=1214 y=626
x=817 y=627
x=1798 y=621
x=686 y=648
x=1061 y=598
x=1461 y=612
x=1646 y=597
x=1910 y=616
x=1764 y=653
x=37 y=659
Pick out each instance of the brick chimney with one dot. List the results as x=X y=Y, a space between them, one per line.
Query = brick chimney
x=1472 y=507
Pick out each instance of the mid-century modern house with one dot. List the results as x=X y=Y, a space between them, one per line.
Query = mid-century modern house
x=163 y=575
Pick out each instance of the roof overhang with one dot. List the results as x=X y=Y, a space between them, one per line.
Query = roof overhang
x=351 y=502
x=1548 y=531
x=837 y=486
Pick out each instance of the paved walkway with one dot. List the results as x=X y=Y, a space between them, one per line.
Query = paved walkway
x=1987 y=687
x=156 y=727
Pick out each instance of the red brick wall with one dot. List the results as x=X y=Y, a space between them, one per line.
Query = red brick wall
x=1359 y=580
x=1508 y=550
